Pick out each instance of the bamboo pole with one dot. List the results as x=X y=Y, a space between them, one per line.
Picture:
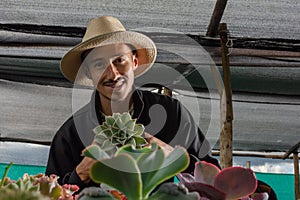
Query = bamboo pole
x=226 y=104
x=296 y=175
x=216 y=17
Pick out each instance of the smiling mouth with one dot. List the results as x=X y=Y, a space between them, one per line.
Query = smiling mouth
x=115 y=84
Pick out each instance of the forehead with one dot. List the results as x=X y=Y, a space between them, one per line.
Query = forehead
x=108 y=51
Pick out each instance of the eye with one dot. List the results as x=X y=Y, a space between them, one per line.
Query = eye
x=99 y=65
x=121 y=60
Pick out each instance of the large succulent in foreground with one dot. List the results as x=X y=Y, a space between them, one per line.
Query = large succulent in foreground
x=118 y=130
x=137 y=172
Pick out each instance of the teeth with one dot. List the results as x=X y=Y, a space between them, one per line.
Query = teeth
x=119 y=83
x=115 y=84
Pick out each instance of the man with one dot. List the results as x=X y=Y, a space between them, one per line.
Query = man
x=109 y=58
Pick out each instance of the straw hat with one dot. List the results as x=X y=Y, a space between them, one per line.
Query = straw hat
x=104 y=31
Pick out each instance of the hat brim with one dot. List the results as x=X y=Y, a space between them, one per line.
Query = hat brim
x=71 y=62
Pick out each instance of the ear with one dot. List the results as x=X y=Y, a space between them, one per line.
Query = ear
x=135 y=62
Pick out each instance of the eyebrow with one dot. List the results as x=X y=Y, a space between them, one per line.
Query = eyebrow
x=103 y=58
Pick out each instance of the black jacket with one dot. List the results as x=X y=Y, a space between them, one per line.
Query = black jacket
x=162 y=116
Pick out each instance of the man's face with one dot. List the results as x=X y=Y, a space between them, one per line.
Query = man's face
x=111 y=69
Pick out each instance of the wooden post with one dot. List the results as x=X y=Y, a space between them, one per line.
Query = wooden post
x=226 y=100
x=248 y=164
x=216 y=17
x=296 y=175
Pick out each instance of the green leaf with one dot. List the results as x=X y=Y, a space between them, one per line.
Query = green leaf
x=99 y=139
x=132 y=151
x=130 y=133
x=177 y=161
x=34 y=188
x=95 y=193
x=95 y=152
x=131 y=141
x=140 y=141
x=120 y=124
x=139 y=129
x=5 y=174
x=125 y=117
x=99 y=129
x=108 y=133
x=108 y=147
x=130 y=124
x=120 y=172
x=116 y=115
x=174 y=192
x=149 y=164
x=56 y=192
x=110 y=120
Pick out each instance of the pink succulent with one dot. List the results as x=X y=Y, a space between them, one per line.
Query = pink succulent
x=215 y=184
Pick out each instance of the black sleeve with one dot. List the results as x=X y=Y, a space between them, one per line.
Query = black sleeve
x=64 y=156
x=178 y=127
x=196 y=143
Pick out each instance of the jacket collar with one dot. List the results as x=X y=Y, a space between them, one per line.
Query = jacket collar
x=95 y=106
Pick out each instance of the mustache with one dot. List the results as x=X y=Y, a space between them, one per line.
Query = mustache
x=110 y=81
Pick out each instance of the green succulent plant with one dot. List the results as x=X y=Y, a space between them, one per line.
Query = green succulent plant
x=34 y=187
x=143 y=168
x=173 y=191
x=118 y=130
x=16 y=194
x=95 y=193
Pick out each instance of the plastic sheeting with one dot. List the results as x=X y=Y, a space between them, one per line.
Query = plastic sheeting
x=256 y=18
x=261 y=122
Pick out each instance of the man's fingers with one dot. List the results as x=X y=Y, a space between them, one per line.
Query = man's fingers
x=165 y=147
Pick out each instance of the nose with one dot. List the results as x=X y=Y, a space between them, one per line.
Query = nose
x=113 y=72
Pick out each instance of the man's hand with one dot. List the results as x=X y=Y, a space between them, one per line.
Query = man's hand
x=165 y=147
x=83 y=169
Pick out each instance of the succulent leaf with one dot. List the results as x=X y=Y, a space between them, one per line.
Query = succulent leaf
x=130 y=124
x=140 y=141
x=132 y=151
x=185 y=178
x=206 y=190
x=95 y=152
x=205 y=172
x=125 y=117
x=173 y=191
x=236 y=182
x=177 y=161
x=139 y=129
x=261 y=196
x=123 y=167
x=110 y=121
x=93 y=193
x=149 y=164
